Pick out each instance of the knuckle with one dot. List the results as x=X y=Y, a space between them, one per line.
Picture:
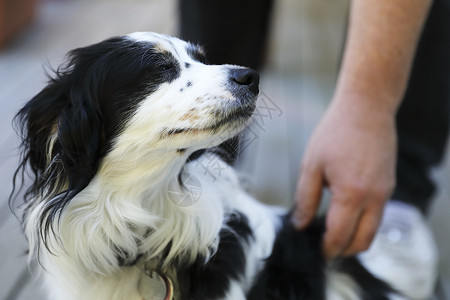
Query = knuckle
x=356 y=192
x=382 y=192
x=351 y=193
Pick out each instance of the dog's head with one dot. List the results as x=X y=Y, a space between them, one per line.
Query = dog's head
x=127 y=97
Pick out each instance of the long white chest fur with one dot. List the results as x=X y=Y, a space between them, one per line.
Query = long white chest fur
x=187 y=216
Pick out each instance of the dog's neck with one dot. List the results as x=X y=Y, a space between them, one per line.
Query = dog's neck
x=134 y=209
x=139 y=176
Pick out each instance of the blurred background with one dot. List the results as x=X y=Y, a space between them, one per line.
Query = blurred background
x=297 y=82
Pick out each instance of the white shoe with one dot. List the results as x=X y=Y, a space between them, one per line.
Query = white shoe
x=403 y=252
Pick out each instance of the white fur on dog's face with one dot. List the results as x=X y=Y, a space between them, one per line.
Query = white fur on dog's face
x=200 y=108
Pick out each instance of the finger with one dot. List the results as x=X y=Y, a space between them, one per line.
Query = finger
x=308 y=194
x=366 y=231
x=342 y=220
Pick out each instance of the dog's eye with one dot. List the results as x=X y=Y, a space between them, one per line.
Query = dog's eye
x=164 y=67
x=160 y=72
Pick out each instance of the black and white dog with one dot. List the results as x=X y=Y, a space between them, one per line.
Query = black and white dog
x=121 y=205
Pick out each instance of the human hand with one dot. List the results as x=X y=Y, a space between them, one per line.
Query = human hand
x=352 y=152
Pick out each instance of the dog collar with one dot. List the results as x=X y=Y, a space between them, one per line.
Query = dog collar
x=155 y=286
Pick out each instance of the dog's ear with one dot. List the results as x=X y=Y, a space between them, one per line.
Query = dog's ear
x=61 y=134
x=36 y=124
x=81 y=139
x=69 y=126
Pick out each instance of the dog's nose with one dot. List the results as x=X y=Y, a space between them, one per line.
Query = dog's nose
x=246 y=77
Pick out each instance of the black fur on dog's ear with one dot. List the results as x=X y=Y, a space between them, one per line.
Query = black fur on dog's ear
x=62 y=141
x=36 y=122
x=71 y=124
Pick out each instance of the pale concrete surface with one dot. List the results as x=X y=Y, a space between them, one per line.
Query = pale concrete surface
x=305 y=47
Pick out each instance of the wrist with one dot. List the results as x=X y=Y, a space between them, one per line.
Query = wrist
x=367 y=103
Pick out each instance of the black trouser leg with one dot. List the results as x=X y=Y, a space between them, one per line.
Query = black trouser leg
x=423 y=118
x=231 y=31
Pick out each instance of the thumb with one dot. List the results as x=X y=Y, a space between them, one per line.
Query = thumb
x=307 y=197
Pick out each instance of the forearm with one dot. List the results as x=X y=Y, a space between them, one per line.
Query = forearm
x=380 y=47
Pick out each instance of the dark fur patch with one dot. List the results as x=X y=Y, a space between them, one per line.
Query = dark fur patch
x=181 y=150
x=228 y=151
x=196 y=53
x=295 y=269
x=212 y=280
